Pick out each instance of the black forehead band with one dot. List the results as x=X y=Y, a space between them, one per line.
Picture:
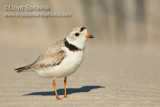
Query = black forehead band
x=82 y=28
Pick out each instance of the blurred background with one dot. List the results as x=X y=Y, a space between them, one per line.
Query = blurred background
x=122 y=22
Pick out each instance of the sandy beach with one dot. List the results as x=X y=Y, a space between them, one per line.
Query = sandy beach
x=107 y=77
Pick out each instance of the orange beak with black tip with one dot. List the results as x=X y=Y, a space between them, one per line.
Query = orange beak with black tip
x=89 y=36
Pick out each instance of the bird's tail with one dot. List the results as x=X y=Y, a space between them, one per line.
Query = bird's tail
x=21 y=69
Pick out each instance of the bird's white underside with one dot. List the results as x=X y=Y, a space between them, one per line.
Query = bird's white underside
x=67 y=67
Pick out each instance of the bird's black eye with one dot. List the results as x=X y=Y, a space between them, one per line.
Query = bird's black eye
x=76 y=34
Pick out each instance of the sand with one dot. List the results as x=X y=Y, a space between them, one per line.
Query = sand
x=107 y=78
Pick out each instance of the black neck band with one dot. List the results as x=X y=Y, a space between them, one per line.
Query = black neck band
x=70 y=46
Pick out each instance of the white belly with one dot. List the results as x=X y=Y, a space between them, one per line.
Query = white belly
x=67 y=67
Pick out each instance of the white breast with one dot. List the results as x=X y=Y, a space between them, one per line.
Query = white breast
x=67 y=67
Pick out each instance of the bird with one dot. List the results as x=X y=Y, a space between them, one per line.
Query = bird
x=61 y=59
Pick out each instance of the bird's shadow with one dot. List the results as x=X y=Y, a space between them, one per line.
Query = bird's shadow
x=69 y=91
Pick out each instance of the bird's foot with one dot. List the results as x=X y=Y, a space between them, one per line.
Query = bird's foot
x=58 y=98
x=65 y=96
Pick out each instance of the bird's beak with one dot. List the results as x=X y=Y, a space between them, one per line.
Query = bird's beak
x=89 y=36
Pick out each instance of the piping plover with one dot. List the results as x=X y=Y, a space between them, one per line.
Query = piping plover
x=61 y=59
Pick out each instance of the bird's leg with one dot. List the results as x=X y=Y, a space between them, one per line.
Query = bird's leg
x=65 y=83
x=54 y=86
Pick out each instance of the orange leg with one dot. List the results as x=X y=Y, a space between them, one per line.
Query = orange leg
x=65 y=83
x=54 y=86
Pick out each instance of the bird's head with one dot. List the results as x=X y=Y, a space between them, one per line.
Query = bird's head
x=78 y=37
